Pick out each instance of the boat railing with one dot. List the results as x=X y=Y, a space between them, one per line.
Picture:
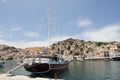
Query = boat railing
x=45 y=60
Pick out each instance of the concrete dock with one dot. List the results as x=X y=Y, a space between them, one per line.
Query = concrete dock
x=20 y=77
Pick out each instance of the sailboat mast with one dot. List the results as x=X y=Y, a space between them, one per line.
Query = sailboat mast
x=60 y=41
x=49 y=24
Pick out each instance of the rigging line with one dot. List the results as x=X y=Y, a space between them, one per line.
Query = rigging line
x=49 y=25
x=60 y=39
x=42 y=21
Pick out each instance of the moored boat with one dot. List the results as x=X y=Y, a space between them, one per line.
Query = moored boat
x=1 y=63
x=47 y=64
x=115 y=57
x=80 y=58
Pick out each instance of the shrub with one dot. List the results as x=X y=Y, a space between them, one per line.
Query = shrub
x=76 y=53
x=101 y=43
x=10 y=58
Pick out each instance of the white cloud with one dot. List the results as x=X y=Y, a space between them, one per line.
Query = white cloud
x=107 y=33
x=23 y=44
x=84 y=22
x=4 y=1
x=16 y=28
x=32 y=34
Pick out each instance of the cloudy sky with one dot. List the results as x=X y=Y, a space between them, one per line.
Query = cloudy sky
x=24 y=23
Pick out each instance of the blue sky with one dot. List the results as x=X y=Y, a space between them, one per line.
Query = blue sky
x=23 y=23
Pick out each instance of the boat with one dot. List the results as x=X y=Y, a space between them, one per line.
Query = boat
x=47 y=64
x=1 y=63
x=115 y=57
x=80 y=59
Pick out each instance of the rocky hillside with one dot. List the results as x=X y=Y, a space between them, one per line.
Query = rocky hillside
x=71 y=47
x=86 y=48
x=9 y=52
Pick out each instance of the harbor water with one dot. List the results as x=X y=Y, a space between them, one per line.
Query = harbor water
x=86 y=70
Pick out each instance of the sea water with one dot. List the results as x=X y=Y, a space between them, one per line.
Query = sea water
x=86 y=70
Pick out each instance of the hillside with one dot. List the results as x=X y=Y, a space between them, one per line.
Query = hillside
x=86 y=48
x=71 y=47
x=9 y=52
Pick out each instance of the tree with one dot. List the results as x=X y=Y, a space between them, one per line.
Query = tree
x=71 y=52
x=76 y=45
x=10 y=58
x=81 y=49
x=76 y=53
x=71 y=42
x=53 y=47
x=68 y=48
x=101 y=43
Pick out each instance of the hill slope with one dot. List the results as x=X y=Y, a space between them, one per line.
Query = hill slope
x=69 y=46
